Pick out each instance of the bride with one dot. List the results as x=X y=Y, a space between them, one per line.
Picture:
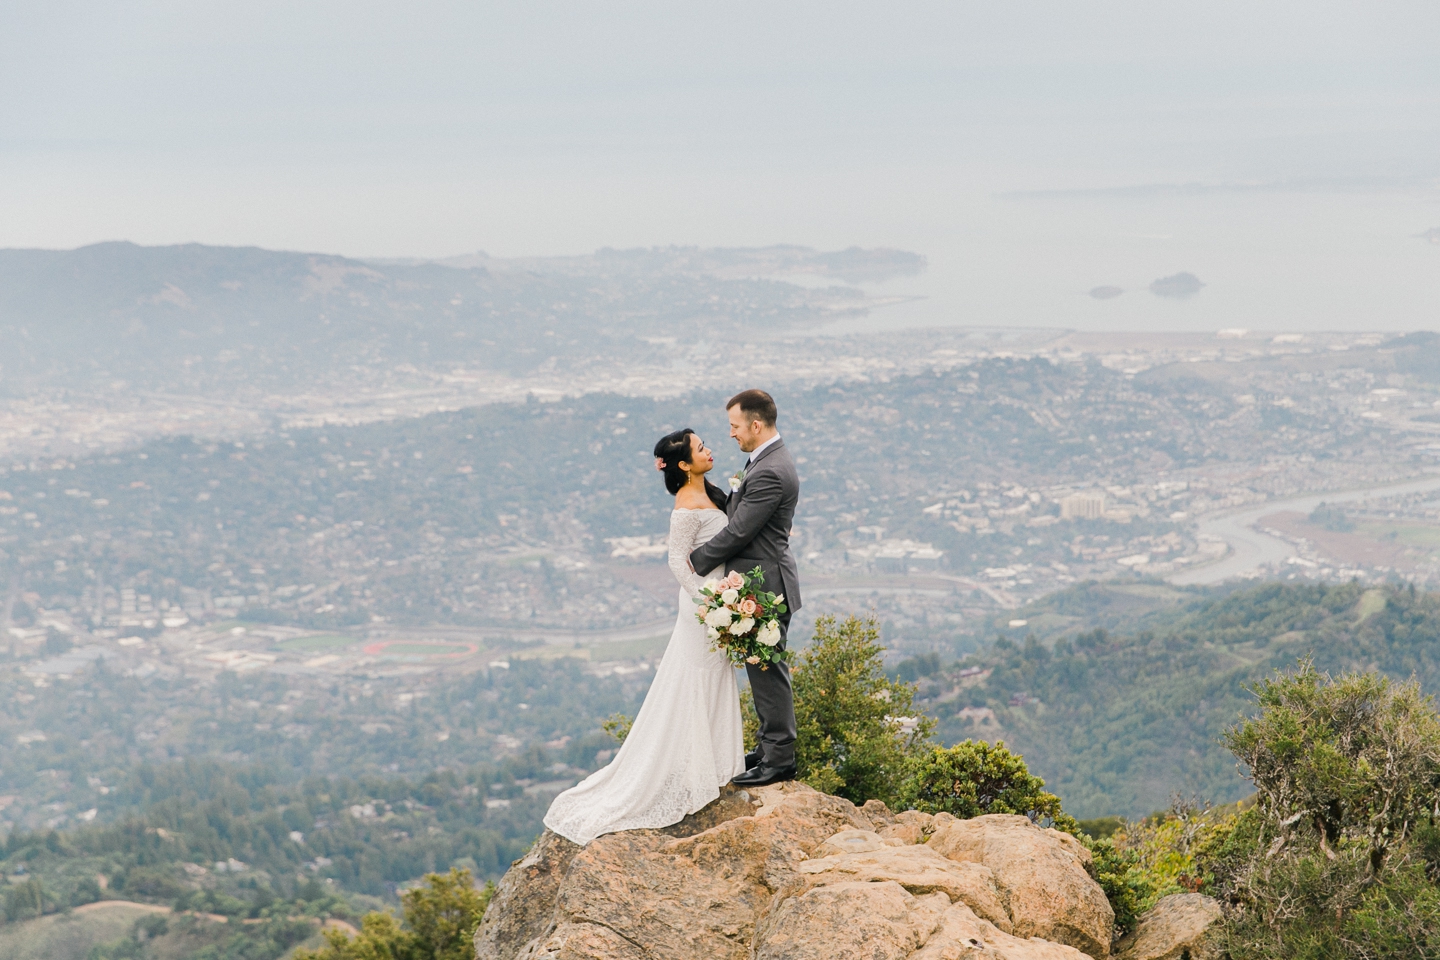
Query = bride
x=687 y=740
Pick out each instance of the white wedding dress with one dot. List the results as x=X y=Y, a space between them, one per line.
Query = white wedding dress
x=687 y=741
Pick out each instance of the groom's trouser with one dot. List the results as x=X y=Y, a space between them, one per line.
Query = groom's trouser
x=775 y=706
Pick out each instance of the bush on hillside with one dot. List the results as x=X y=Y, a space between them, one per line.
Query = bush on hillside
x=1353 y=759
x=439 y=921
x=1338 y=857
x=1118 y=871
x=27 y=898
x=974 y=778
x=618 y=725
x=857 y=727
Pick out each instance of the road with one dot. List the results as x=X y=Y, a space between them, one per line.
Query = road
x=1250 y=549
x=493 y=636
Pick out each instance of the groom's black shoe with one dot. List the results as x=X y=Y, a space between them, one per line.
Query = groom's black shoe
x=752 y=759
x=763 y=774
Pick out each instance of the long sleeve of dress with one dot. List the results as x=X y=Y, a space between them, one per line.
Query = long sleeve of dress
x=684 y=531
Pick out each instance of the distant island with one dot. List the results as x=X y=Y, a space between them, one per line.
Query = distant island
x=1180 y=286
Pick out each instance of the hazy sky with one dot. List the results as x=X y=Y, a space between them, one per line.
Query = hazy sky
x=433 y=128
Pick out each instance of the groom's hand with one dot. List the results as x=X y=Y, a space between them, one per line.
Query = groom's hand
x=763 y=495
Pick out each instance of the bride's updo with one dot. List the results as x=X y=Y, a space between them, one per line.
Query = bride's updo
x=669 y=452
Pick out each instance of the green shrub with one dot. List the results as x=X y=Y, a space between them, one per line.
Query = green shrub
x=153 y=883
x=1117 y=870
x=1354 y=758
x=618 y=725
x=439 y=924
x=1102 y=827
x=975 y=778
x=27 y=898
x=1338 y=858
x=849 y=714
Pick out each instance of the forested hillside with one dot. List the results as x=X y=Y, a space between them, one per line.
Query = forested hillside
x=1118 y=718
x=1116 y=694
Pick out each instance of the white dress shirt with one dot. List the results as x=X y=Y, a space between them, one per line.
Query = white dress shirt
x=756 y=452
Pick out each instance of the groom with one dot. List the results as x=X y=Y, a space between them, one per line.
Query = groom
x=761 y=509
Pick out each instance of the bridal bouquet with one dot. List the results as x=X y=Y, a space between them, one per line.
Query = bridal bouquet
x=741 y=619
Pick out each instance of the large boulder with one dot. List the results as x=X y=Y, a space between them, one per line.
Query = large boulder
x=964 y=936
x=779 y=872
x=1041 y=875
x=920 y=870
x=877 y=921
x=1178 y=927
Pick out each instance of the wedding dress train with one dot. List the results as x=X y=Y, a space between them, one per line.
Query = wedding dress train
x=686 y=742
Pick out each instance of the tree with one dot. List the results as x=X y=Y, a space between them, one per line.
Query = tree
x=439 y=924
x=857 y=728
x=1356 y=757
x=1339 y=855
x=974 y=778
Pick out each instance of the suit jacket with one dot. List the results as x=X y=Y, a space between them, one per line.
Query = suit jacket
x=761 y=513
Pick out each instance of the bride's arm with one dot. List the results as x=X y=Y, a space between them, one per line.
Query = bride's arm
x=684 y=529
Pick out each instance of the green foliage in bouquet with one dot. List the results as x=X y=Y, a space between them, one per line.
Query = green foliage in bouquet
x=857 y=727
x=736 y=603
x=439 y=922
x=974 y=778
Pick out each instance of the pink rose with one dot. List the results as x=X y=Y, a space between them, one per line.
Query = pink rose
x=736 y=580
x=748 y=606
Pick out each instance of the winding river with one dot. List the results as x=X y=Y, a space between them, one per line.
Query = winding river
x=1251 y=549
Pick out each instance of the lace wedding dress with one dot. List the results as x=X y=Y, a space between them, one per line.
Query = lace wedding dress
x=686 y=742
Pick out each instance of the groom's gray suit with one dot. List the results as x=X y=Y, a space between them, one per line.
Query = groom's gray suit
x=761 y=513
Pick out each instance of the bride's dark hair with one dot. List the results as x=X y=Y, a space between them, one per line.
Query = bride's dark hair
x=670 y=450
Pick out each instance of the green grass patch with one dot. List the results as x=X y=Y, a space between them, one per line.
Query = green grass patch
x=328 y=641
x=629 y=649
x=66 y=936
x=647 y=647
x=405 y=649
x=1409 y=534
x=1371 y=603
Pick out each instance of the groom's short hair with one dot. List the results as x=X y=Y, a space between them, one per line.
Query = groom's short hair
x=755 y=405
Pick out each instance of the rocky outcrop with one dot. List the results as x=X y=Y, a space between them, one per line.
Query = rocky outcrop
x=1179 y=927
x=787 y=872
x=1040 y=874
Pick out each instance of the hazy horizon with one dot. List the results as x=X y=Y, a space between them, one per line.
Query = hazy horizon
x=1311 y=132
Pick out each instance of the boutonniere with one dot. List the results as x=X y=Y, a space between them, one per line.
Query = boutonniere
x=736 y=480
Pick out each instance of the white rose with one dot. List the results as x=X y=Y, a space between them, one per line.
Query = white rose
x=742 y=626
x=711 y=633
x=730 y=596
x=769 y=634
x=734 y=484
x=712 y=584
x=718 y=618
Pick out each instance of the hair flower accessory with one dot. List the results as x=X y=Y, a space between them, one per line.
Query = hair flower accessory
x=660 y=464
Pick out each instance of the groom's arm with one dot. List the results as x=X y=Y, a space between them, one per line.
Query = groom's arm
x=763 y=495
